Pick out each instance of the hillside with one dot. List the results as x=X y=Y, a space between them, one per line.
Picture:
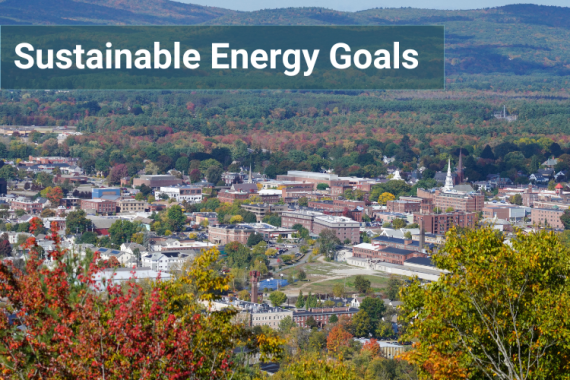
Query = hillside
x=510 y=48
x=105 y=12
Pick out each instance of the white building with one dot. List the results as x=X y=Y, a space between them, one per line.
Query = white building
x=164 y=261
x=188 y=193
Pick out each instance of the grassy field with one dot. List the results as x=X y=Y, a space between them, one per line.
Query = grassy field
x=322 y=276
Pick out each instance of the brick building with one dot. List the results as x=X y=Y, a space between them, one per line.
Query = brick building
x=229 y=196
x=550 y=216
x=321 y=315
x=316 y=222
x=293 y=191
x=99 y=206
x=441 y=223
x=426 y=204
x=27 y=205
x=403 y=206
x=457 y=200
x=226 y=233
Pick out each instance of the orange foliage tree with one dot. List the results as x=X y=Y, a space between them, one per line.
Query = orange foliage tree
x=58 y=322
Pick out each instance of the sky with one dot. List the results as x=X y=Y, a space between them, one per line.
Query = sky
x=359 y=5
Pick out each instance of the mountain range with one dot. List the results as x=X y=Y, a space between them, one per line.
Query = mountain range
x=485 y=48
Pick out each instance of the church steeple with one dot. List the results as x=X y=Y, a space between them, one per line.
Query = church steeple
x=448 y=179
x=250 y=177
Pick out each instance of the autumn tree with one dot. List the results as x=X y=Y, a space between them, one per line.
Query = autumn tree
x=385 y=197
x=499 y=312
x=372 y=347
x=55 y=195
x=117 y=173
x=5 y=248
x=65 y=324
x=338 y=339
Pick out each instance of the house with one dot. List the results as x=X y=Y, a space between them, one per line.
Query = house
x=356 y=301
x=538 y=178
x=125 y=258
x=130 y=247
x=164 y=261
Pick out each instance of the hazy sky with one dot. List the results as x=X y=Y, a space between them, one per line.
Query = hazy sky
x=358 y=5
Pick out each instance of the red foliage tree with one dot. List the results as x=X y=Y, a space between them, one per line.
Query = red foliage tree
x=55 y=195
x=64 y=325
x=195 y=175
x=372 y=347
x=117 y=172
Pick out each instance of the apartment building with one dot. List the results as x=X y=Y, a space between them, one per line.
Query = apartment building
x=441 y=223
x=550 y=216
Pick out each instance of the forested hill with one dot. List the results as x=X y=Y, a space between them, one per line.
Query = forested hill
x=105 y=12
x=510 y=48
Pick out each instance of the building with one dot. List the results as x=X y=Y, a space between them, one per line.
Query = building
x=460 y=201
x=402 y=206
x=99 y=206
x=322 y=315
x=316 y=222
x=262 y=209
x=131 y=205
x=71 y=178
x=105 y=192
x=210 y=217
x=548 y=216
x=441 y=223
x=227 y=233
x=507 y=212
x=27 y=205
x=164 y=261
x=54 y=160
x=252 y=313
x=386 y=253
x=157 y=181
x=188 y=193
x=344 y=228
x=313 y=178
x=229 y=196
x=293 y=191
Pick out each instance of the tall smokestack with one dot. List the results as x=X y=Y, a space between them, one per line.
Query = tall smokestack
x=254 y=278
x=422 y=234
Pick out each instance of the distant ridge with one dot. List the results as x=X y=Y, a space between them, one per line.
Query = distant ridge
x=520 y=40
x=105 y=12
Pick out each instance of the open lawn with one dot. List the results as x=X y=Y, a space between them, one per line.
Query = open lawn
x=322 y=276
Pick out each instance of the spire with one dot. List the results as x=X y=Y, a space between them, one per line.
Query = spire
x=448 y=179
x=249 y=178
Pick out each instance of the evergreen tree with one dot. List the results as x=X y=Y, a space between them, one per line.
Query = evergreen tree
x=300 y=300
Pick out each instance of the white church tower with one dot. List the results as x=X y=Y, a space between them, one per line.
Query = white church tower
x=448 y=179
